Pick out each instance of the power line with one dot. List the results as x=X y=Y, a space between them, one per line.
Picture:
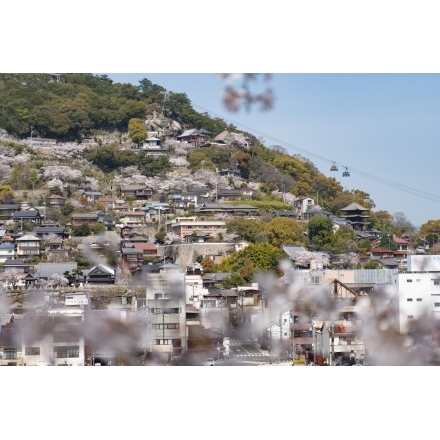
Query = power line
x=381 y=180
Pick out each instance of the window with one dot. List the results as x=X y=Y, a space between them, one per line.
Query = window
x=9 y=353
x=419 y=299
x=410 y=316
x=409 y=299
x=165 y=326
x=32 y=351
x=436 y=304
x=409 y=281
x=436 y=282
x=66 y=352
x=163 y=342
x=166 y=311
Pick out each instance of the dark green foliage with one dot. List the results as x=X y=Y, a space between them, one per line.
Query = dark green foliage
x=233 y=280
x=81 y=230
x=160 y=236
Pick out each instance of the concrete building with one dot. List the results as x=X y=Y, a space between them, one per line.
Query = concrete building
x=166 y=322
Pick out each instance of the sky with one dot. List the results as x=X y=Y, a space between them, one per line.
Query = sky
x=381 y=127
x=355 y=82
x=352 y=85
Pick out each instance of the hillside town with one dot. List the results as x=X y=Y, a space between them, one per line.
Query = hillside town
x=144 y=301
x=172 y=245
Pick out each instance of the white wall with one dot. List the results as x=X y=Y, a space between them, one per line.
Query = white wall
x=419 y=293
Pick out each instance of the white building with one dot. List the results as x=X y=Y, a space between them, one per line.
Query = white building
x=62 y=344
x=419 y=289
x=166 y=317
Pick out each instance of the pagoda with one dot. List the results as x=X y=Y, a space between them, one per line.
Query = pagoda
x=355 y=215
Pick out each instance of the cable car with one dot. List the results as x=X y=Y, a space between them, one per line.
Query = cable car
x=346 y=173
x=334 y=167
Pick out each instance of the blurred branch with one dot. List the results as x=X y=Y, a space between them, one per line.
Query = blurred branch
x=237 y=96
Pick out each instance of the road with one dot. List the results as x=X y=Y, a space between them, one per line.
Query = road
x=246 y=353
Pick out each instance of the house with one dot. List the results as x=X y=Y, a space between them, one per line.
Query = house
x=234 y=209
x=55 y=250
x=402 y=244
x=312 y=212
x=55 y=200
x=92 y=196
x=380 y=253
x=108 y=202
x=28 y=246
x=246 y=191
x=132 y=218
x=6 y=210
x=197 y=237
x=285 y=213
x=231 y=138
x=31 y=216
x=48 y=229
x=210 y=280
x=228 y=194
x=108 y=220
x=132 y=258
x=193 y=137
x=303 y=204
x=152 y=147
x=18 y=264
x=293 y=251
x=84 y=184
x=148 y=249
x=43 y=271
x=7 y=251
x=137 y=192
x=100 y=274
x=83 y=218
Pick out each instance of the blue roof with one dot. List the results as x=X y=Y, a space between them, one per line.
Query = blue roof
x=7 y=246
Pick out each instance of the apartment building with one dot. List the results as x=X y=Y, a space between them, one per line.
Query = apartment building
x=166 y=323
x=185 y=226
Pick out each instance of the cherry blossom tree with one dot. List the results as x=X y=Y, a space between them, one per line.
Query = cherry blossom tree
x=5 y=172
x=349 y=260
x=11 y=277
x=57 y=280
x=304 y=259
x=179 y=162
x=172 y=237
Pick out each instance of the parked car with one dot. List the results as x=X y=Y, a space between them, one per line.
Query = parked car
x=209 y=362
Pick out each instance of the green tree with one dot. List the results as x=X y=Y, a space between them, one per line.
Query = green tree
x=160 y=236
x=152 y=167
x=81 y=230
x=320 y=229
x=137 y=130
x=344 y=240
x=256 y=257
x=246 y=229
x=6 y=194
x=283 y=230
x=233 y=280
x=67 y=209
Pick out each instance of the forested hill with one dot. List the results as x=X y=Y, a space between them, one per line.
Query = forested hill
x=74 y=106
